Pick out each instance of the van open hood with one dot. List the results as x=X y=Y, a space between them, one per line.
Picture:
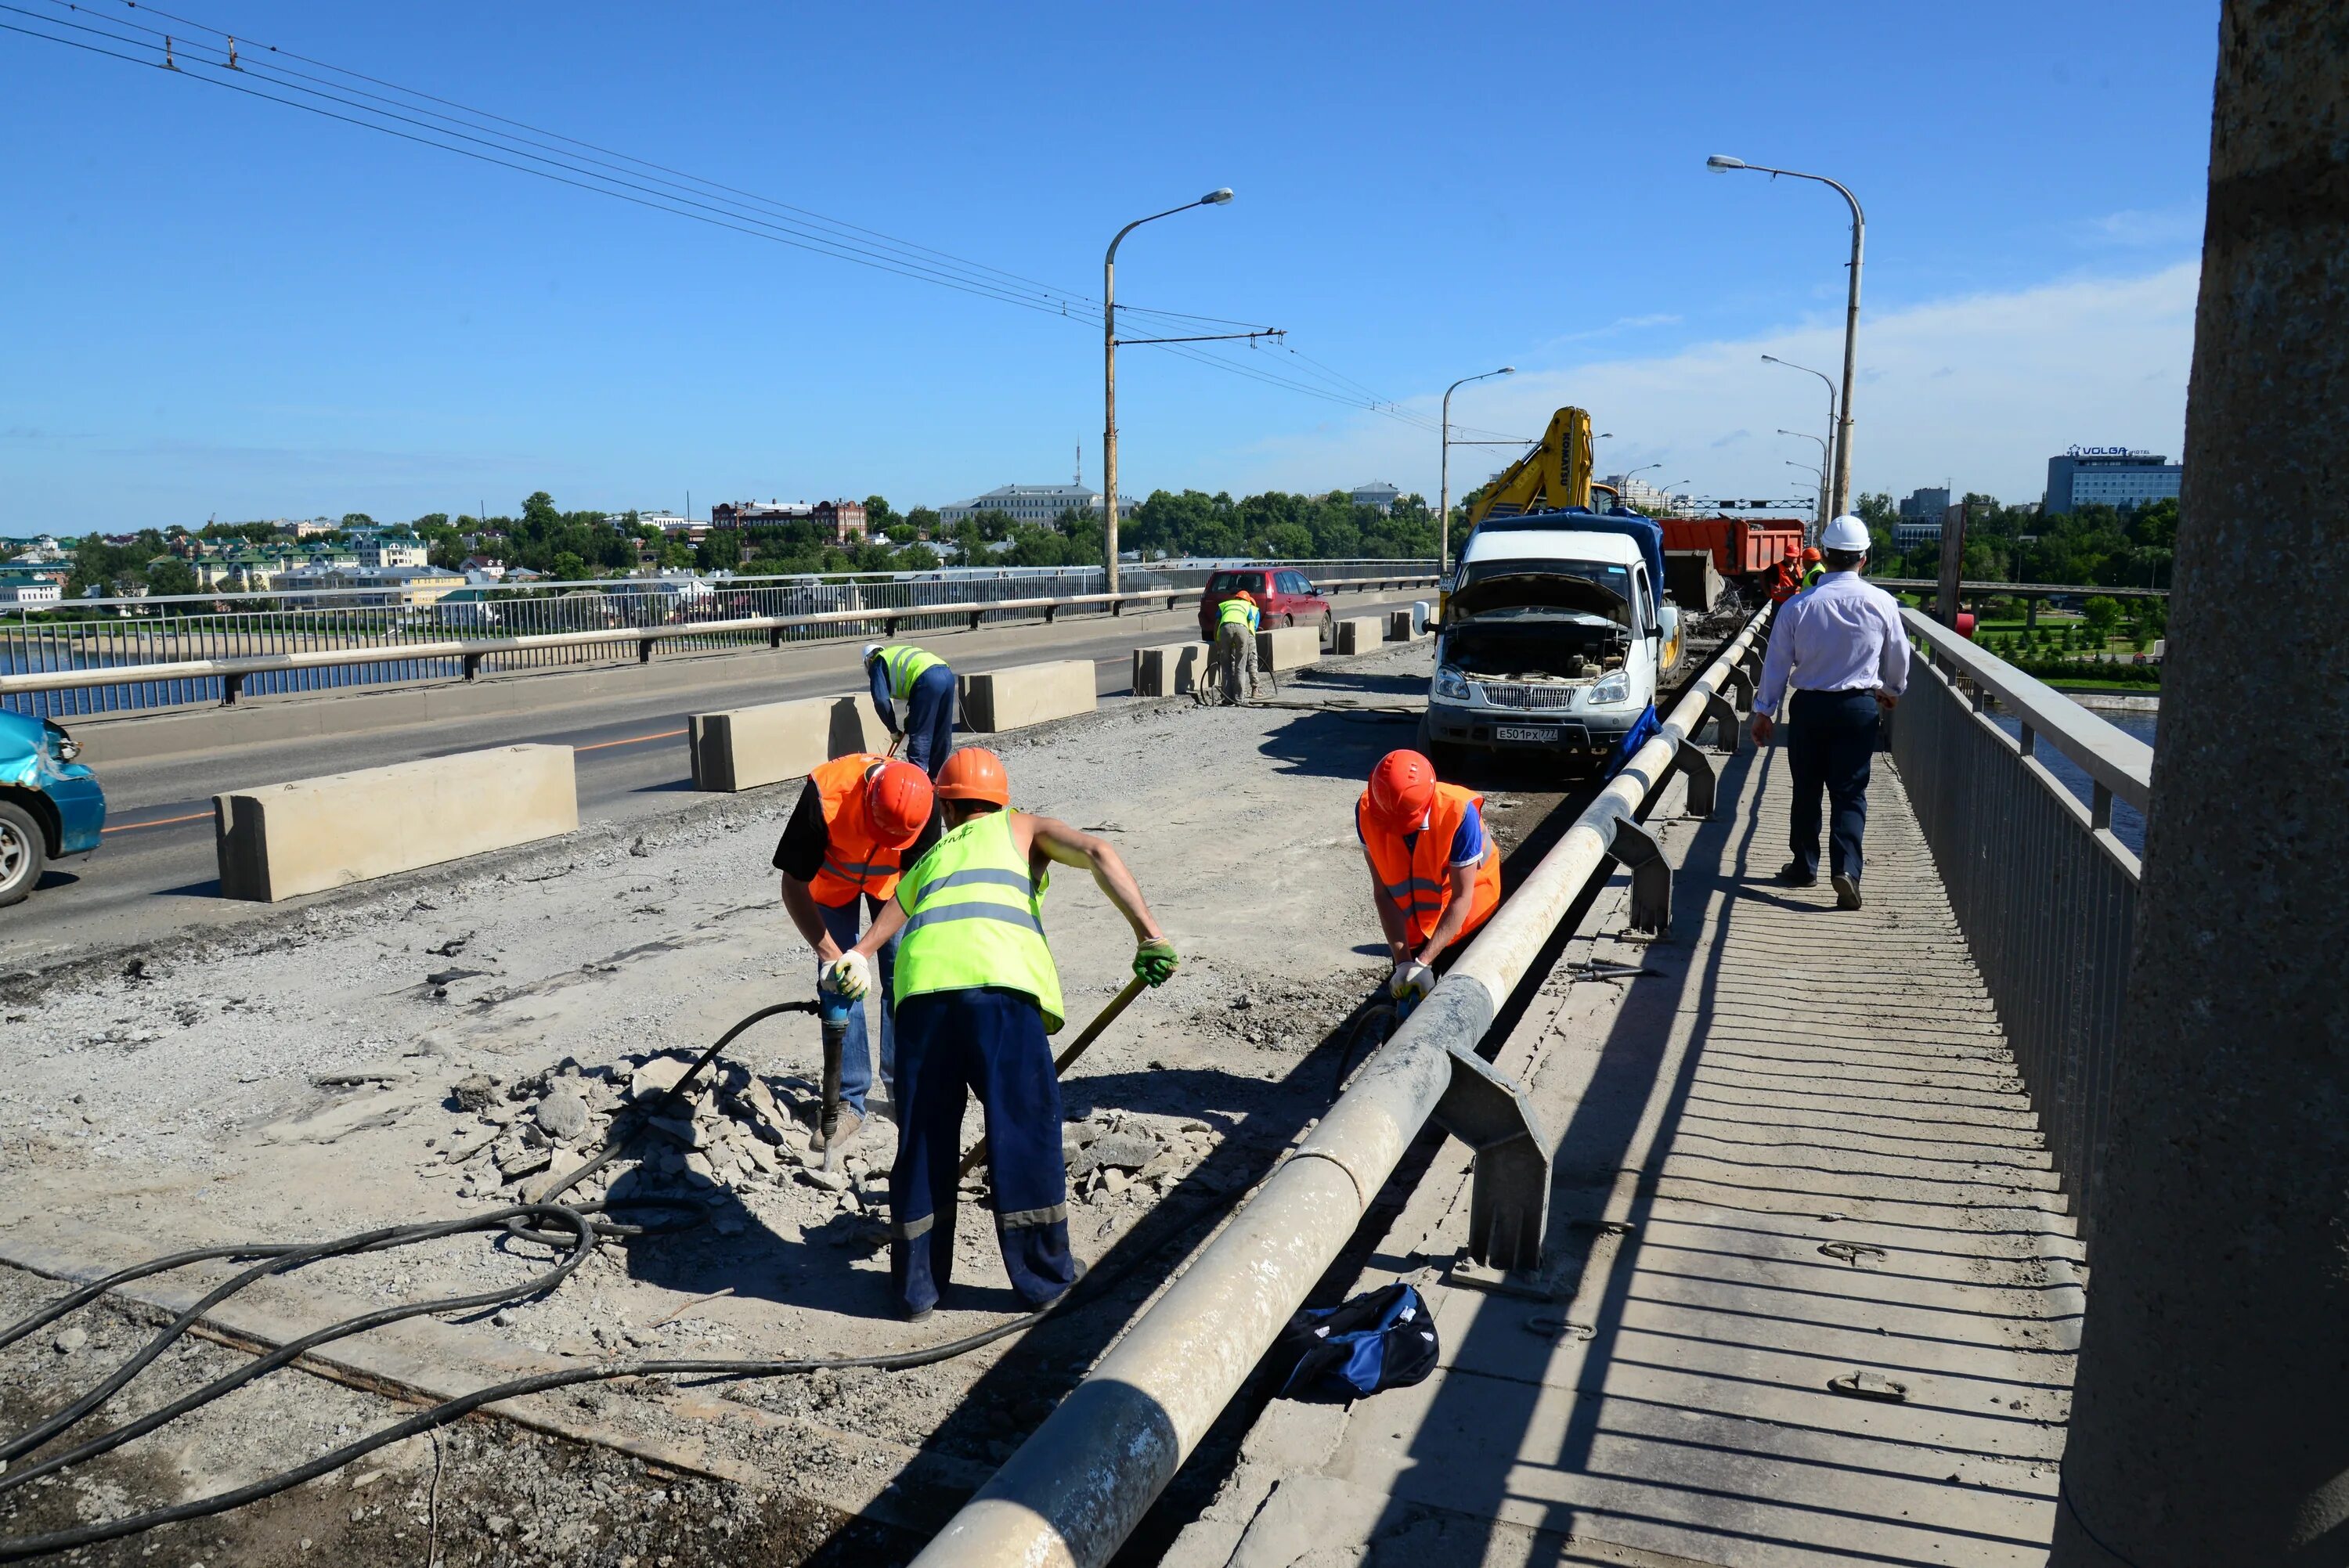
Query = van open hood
x=1540 y=590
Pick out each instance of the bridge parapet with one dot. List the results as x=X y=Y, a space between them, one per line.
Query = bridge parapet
x=2043 y=889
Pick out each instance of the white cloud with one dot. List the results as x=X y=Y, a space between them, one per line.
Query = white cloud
x=1980 y=389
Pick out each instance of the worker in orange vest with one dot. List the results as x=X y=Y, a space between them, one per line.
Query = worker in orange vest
x=1435 y=873
x=856 y=822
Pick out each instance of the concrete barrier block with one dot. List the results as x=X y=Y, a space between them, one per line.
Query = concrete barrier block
x=748 y=748
x=1289 y=647
x=283 y=840
x=1173 y=669
x=1399 y=627
x=1028 y=694
x=1362 y=634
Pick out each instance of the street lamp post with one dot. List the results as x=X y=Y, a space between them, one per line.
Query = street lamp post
x=1722 y=165
x=1825 y=457
x=1443 y=485
x=1108 y=375
x=1626 y=497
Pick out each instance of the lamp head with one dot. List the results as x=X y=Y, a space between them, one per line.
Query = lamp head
x=1508 y=370
x=1721 y=164
x=1217 y=198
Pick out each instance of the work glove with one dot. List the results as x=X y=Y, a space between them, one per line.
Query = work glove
x=1155 y=961
x=848 y=975
x=1411 y=981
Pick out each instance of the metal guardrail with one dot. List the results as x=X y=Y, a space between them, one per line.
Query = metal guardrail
x=291 y=646
x=2018 y=590
x=1086 y=1475
x=2045 y=891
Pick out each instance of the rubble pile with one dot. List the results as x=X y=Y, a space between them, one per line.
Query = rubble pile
x=1113 y=1152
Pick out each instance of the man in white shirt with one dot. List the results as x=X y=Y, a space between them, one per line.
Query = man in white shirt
x=1841 y=650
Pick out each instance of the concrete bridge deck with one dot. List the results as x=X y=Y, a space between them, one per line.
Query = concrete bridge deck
x=1793 y=1148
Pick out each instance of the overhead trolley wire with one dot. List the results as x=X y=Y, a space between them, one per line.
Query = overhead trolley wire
x=659 y=187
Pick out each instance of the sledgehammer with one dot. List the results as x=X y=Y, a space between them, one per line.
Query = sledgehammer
x=1107 y=1016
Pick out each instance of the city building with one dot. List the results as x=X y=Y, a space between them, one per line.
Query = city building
x=304 y=527
x=1641 y=496
x=398 y=585
x=1030 y=504
x=482 y=568
x=29 y=593
x=844 y=520
x=669 y=522
x=2109 y=476
x=381 y=549
x=1909 y=536
x=1926 y=506
x=1377 y=493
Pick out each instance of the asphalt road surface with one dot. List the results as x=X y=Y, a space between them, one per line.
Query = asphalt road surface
x=155 y=870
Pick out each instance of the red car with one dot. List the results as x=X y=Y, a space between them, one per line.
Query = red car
x=1283 y=598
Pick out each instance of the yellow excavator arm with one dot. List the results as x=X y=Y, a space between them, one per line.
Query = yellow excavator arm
x=1555 y=474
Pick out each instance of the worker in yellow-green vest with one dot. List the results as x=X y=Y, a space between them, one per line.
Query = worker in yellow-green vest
x=901 y=672
x=1238 y=621
x=976 y=995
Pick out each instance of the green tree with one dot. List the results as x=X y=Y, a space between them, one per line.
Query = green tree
x=878 y=518
x=2103 y=615
x=358 y=520
x=172 y=576
x=568 y=567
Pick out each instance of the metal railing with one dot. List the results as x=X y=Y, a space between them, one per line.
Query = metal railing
x=110 y=654
x=2045 y=891
x=1082 y=1481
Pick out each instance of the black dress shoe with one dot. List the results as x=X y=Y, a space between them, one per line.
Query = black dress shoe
x=1793 y=874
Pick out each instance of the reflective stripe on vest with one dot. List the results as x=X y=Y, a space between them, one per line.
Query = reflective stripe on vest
x=1417 y=877
x=854 y=860
x=906 y=664
x=974 y=918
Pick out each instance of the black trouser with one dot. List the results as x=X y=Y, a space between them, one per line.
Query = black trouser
x=1830 y=743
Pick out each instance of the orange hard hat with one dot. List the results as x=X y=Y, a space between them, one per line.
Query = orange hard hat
x=1811 y=555
x=898 y=799
x=975 y=773
x=1243 y=593
x=1401 y=785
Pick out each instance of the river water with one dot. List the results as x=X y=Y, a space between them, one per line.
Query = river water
x=2128 y=826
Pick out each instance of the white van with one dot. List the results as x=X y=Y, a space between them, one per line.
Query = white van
x=1553 y=642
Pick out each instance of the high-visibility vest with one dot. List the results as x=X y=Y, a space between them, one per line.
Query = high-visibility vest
x=1417 y=880
x=854 y=860
x=975 y=917
x=905 y=664
x=1237 y=613
x=1818 y=569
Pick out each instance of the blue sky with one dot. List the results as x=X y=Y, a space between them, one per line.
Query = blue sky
x=223 y=306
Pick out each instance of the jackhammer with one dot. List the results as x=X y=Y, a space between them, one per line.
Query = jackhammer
x=832 y=1012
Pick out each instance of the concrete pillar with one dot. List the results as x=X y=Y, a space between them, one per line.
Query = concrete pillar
x=2209 y=1423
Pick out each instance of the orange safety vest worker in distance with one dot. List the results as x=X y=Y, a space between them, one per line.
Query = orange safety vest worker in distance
x=856 y=860
x=1417 y=879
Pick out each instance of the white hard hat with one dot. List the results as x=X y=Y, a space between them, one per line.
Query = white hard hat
x=1846 y=534
x=871 y=649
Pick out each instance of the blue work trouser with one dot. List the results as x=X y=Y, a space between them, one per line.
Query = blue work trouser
x=929 y=720
x=950 y=1043
x=855 y=1048
x=1830 y=745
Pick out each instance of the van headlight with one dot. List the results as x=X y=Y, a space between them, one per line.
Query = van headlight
x=1613 y=688
x=1450 y=684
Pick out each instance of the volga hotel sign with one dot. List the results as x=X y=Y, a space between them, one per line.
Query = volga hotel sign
x=2106 y=452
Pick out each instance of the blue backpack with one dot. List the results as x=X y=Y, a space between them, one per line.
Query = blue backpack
x=1383 y=1339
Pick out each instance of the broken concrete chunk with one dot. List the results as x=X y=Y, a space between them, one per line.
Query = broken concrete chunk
x=829 y=1180
x=657 y=1076
x=1114 y=1180
x=563 y=1114
x=71 y=1340
x=524 y=1163
x=1123 y=1151
x=476 y=1092
x=674 y=1128
x=697 y=1164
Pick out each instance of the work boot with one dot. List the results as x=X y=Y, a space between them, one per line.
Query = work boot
x=851 y=1123
x=1847 y=892
x=1793 y=873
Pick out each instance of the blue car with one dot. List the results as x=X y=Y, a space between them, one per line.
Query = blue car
x=50 y=805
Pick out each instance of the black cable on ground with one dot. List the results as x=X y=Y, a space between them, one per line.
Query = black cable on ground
x=584 y=1235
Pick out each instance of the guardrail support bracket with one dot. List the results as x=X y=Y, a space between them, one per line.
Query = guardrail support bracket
x=975 y=615
x=1722 y=713
x=1741 y=688
x=643 y=650
x=1642 y=853
x=473 y=666
x=1509 y=1203
x=1697 y=768
x=231 y=688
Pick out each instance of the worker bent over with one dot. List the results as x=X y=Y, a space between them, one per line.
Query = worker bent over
x=1238 y=621
x=1435 y=874
x=976 y=994
x=901 y=672
x=854 y=821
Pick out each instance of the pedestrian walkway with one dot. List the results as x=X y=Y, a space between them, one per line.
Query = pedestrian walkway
x=1810 y=1296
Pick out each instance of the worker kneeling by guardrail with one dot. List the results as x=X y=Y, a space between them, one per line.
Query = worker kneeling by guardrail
x=1435 y=874
x=976 y=994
